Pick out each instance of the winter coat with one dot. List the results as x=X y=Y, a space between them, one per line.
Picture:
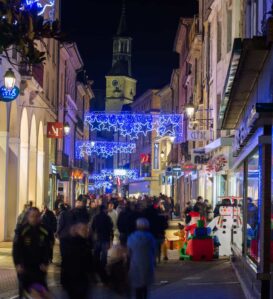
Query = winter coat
x=142 y=248
x=102 y=227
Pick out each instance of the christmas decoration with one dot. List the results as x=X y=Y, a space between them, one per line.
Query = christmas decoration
x=103 y=148
x=123 y=174
x=133 y=125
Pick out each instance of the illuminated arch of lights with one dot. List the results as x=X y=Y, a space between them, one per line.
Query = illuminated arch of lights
x=132 y=125
x=104 y=149
x=105 y=174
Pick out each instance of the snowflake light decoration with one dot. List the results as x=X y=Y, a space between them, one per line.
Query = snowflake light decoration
x=103 y=148
x=132 y=125
x=109 y=174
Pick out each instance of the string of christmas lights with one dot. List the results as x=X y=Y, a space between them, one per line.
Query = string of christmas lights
x=133 y=125
x=104 y=149
x=109 y=174
x=99 y=185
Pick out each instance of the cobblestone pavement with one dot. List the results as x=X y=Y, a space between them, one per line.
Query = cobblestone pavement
x=174 y=280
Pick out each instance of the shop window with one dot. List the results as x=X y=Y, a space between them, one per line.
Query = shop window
x=237 y=231
x=253 y=223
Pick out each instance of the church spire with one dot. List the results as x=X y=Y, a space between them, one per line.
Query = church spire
x=122 y=28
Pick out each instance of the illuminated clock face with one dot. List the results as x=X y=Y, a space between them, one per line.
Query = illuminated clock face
x=115 y=82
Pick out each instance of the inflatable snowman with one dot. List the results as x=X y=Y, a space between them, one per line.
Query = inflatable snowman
x=223 y=225
x=237 y=233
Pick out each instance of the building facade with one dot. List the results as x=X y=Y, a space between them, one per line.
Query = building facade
x=26 y=154
x=146 y=159
x=75 y=94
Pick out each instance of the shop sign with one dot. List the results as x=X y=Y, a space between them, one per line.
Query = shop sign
x=8 y=95
x=245 y=129
x=145 y=158
x=199 y=159
x=198 y=135
x=55 y=130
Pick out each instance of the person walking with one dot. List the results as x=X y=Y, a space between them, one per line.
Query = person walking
x=102 y=230
x=187 y=211
x=112 y=213
x=76 y=266
x=142 y=248
x=49 y=221
x=31 y=252
x=200 y=206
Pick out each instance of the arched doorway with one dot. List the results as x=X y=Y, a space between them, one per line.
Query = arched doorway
x=3 y=172
x=23 y=175
x=32 y=163
x=40 y=167
x=13 y=168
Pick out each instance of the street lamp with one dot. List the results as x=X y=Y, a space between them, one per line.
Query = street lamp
x=9 y=79
x=162 y=154
x=67 y=129
x=189 y=110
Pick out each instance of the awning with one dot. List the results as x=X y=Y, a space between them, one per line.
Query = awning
x=216 y=144
x=247 y=60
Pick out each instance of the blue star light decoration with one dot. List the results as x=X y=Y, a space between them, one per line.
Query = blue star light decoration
x=132 y=125
x=104 y=149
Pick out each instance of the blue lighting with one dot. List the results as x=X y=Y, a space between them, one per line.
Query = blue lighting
x=109 y=174
x=99 y=185
x=37 y=5
x=8 y=95
x=133 y=125
x=103 y=148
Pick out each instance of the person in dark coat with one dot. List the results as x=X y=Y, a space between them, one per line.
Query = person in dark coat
x=102 y=229
x=31 y=252
x=158 y=224
x=187 y=211
x=76 y=267
x=80 y=212
x=127 y=223
x=49 y=221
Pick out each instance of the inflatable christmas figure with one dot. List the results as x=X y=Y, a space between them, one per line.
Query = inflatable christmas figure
x=199 y=245
x=237 y=233
x=195 y=217
x=223 y=224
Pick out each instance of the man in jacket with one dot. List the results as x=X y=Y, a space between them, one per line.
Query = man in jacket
x=31 y=252
x=49 y=221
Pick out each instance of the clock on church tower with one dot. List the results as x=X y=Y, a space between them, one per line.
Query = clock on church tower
x=120 y=85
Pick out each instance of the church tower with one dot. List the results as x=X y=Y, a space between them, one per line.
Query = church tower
x=120 y=85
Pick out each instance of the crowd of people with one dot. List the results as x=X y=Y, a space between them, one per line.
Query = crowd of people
x=107 y=240
x=201 y=206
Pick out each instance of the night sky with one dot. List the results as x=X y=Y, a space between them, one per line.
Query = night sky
x=152 y=23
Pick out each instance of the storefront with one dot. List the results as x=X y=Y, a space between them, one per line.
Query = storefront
x=247 y=108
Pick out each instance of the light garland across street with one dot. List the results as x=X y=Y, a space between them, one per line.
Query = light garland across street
x=130 y=174
x=104 y=149
x=133 y=125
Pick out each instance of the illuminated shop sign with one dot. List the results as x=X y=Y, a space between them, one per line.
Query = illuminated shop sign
x=8 y=95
